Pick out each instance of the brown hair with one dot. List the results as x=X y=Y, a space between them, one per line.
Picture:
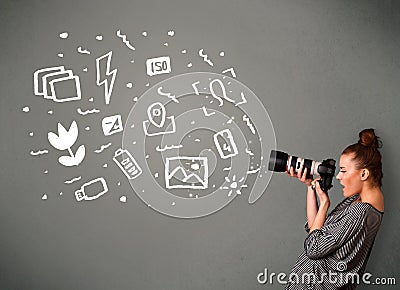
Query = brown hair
x=367 y=155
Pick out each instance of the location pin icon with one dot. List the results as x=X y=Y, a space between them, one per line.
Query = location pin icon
x=156 y=114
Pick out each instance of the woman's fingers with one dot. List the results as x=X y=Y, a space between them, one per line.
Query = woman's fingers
x=304 y=176
x=299 y=173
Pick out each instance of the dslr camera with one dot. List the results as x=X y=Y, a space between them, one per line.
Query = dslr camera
x=280 y=162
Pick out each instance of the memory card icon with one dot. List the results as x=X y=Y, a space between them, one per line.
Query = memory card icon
x=225 y=144
x=127 y=163
x=92 y=190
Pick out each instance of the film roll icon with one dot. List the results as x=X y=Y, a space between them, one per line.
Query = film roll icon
x=127 y=163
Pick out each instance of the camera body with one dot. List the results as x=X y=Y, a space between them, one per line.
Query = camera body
x=280 y=162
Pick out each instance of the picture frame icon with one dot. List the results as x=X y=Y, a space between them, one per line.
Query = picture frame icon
x=48 y=78
x=69 y=84
x=57 y=84
x=186 y=172
x=38 y=78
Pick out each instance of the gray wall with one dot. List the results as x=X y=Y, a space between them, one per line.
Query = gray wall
x=323 y=69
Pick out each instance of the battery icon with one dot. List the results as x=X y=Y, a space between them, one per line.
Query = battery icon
x=127 y=163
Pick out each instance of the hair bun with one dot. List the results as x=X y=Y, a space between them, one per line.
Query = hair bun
x=369 y=139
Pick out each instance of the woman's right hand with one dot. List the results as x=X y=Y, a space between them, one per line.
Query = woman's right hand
x=302 y=176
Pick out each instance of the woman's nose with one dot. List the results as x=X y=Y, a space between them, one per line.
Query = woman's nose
x=338 y=176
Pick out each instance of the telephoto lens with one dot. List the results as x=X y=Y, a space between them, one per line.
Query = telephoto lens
x=280 y=162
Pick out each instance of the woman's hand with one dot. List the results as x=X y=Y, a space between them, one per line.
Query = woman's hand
x=302 y=176
x=324 y=203
x=322 y=195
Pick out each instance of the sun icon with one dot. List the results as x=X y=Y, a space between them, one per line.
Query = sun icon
x=233 y=186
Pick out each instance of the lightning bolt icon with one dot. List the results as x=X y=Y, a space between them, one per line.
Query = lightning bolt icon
x=105 y=76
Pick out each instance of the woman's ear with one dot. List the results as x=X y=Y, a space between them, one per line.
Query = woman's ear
x=364 y=174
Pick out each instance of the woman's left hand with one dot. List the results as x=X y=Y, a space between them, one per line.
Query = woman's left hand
x=322 y=195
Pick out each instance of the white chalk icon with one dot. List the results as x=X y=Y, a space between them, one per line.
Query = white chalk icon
x=124 y=40
x=89 y=111
x=61 y=83
x=248 y=151
x=205 y=57
x=64 y=141
x=83 y=50
x=127 y=163
x=102 y=148
x=194 y=175
x=225 y=144
x=168 y=95
x=243 y=101
x=158 y=65
x=253 y=171
x=231 y=70
x=194 y=86
x=91 y=191
x=37 y=78
x=249 y=124
x=156 y=123
x=234 y=185
x=224 y=95
x=105 y=77
x=63 y=35
x=112 y=125
x=72 y=180
x=207 y=114
x=57 y=84
x=39 y=152
x=166 y=147
x=46 y=79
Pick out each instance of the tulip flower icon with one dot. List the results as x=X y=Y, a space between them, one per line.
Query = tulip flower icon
x=64 y=141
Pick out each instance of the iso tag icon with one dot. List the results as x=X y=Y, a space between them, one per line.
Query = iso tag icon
x=201 y=140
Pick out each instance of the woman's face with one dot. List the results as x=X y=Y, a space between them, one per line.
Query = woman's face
x=349 y=176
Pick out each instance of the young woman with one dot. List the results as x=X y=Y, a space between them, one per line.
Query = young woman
x=338 y=244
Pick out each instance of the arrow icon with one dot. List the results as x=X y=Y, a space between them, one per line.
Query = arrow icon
x=105 y=76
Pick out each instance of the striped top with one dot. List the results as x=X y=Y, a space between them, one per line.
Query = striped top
x=337 y=253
